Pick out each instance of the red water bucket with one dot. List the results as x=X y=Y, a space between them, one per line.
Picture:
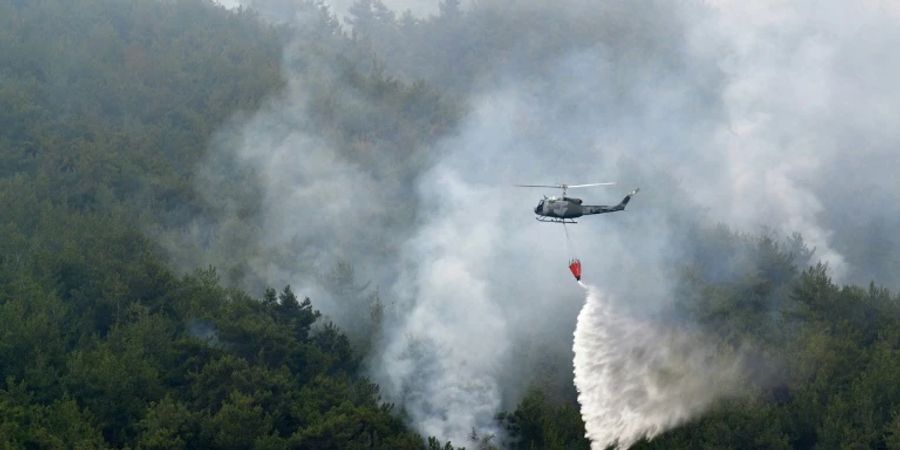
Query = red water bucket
x=575 y=267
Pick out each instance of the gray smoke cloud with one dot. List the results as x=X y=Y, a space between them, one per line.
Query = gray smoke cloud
x=765 y=115
x=291 y=201
x=725 y=113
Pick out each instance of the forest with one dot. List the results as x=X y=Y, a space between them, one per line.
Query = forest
x=125 y=327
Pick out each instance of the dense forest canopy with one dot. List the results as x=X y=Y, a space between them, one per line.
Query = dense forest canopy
x=158 y=160
x=108 y=107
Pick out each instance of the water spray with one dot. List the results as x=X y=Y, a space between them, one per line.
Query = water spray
x=637 y=379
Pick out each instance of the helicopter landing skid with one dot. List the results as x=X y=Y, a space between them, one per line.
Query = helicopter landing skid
x=553 y=220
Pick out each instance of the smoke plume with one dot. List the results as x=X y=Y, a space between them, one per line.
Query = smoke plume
x=765 y=115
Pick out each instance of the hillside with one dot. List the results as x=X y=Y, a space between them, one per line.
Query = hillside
x=107 y=109
x=220 y=230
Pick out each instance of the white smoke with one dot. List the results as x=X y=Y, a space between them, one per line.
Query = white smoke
x=445 y=358
x=770 y=114
x=305 y=222
x=474 y=275
x=636 y=378
x=804 y=142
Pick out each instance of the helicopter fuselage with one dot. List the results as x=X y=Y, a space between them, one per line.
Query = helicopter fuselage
x=565 y=209
x=560 y=208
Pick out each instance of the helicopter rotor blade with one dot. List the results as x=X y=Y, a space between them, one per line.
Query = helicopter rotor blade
x=608 y=183
x=566 y=186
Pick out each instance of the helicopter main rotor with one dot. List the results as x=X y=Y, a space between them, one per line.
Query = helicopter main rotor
x=565 y=187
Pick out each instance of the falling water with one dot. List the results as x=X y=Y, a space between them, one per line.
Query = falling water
x=636 y=378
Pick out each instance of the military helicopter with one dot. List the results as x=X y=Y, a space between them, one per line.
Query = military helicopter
x=565 y=209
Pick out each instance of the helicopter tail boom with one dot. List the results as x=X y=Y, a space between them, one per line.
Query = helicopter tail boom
x=601 y=209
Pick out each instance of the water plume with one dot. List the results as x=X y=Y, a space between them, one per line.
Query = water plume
x=636 y=378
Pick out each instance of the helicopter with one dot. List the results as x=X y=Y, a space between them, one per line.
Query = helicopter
x=565 y=209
